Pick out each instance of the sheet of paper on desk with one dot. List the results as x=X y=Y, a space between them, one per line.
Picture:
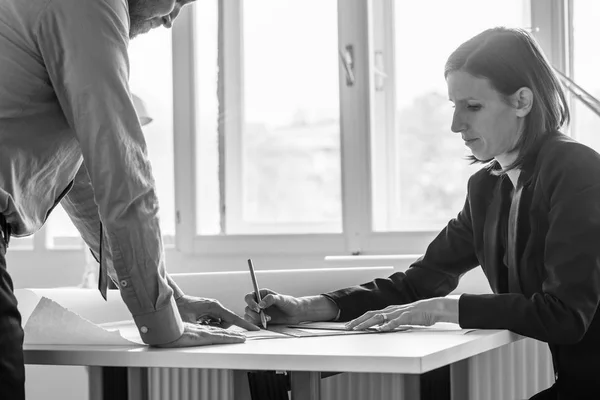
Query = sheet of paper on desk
x=311 y=329
x=255 y=335
x=338 y=327
x=47 y=322
x=333 y=326
x=264 y=334
x=308 y=332
x=308 y=329
x=448 y=327
x=127 y=329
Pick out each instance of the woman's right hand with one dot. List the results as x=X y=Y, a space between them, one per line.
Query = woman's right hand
x=278 y=308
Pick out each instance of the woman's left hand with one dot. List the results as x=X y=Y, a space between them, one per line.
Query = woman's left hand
x=423 y=312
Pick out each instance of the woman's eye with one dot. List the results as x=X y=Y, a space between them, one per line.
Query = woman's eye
x=474 y=107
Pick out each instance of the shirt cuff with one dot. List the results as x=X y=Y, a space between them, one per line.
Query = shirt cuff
x=160 y=326
x=337 y=317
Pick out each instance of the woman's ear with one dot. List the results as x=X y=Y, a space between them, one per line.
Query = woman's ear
x=523 y=100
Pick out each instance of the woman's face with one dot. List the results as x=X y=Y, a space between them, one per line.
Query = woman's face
x=488 y=124
x=145 y=15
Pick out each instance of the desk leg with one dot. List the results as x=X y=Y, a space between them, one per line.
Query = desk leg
x=137 y=384
x=241 y=389
x=95 y=383
x=459 y=380
x=412 y=386
x=118 y=383
x=107 y=383
x=432 y=385
x=306 y=385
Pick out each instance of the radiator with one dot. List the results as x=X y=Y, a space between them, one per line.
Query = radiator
x=190 y=384
x=501 y=373
x=516 y=371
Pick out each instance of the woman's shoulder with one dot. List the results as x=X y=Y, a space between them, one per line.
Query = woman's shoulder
x=564 y=159
x=563 y=153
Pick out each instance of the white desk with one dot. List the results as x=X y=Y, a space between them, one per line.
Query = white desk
x=411 y=353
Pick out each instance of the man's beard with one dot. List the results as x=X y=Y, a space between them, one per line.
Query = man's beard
x=135 y=26
x=136 y=21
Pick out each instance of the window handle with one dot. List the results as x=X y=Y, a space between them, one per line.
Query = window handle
x=379 y=69
x=347 y=59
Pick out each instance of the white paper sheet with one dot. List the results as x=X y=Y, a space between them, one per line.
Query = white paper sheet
x=45 y=321
x=340 y=326
x=264 y=334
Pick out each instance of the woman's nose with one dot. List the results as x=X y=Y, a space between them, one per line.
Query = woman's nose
x=458 y=124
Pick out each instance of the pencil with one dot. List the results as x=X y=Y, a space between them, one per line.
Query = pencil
x=263 y=318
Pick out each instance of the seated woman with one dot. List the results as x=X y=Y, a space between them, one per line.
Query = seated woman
x=531 y=220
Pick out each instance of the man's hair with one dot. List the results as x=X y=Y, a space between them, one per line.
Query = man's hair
x=511 y=59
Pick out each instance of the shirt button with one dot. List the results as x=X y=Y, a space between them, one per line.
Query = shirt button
x=124 y=283
x=144 y=329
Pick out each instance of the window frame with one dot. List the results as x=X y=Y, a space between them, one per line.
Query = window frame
x=232 y=158
x=353 y=23
x=356 y=19
x=384 y=97
x=357 y=113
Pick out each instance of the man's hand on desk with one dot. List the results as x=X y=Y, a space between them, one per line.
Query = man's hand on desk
x=423 y=312
x=194 y=309
x=202 y=335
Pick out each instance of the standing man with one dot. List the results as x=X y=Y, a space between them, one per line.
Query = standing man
x=69 y=133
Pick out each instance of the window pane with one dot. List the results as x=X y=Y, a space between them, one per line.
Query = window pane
x=61 y=231
x=151 y=79
x=24 y=243
x=427 y=178
x=207 y=113
x=291 y=135
x=586 y=67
